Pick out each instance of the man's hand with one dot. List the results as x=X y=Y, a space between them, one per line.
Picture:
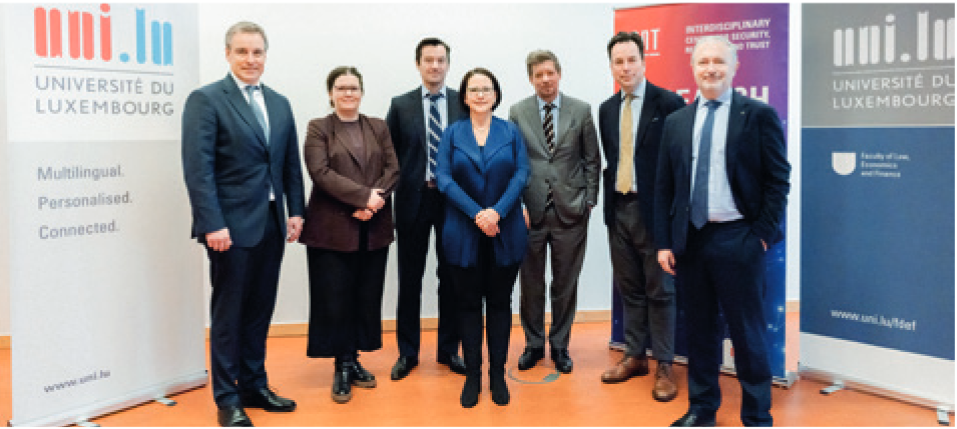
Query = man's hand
x=363 y=214
x=525 y=213
x=667 y=261
x=293 y=228
x=375 y=200
x=219 y=240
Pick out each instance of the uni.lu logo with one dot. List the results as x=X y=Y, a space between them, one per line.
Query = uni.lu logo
x=935 y=43
x=82 y=32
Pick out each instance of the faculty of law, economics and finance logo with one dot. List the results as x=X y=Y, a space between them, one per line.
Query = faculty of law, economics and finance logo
x=844 y=163
x=84 y=35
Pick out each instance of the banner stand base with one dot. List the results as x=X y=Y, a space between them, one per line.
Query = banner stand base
x=943 y=410
x=81 y=415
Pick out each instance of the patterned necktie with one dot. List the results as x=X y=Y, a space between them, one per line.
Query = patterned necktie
x=699 y=195
x=250 y=90
x=435 y=133
x=549 y=128
x=626 y=156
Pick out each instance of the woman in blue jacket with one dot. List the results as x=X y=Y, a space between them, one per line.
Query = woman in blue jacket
x=482 y=168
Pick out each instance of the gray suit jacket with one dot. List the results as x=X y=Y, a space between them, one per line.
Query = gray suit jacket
x=572 y=171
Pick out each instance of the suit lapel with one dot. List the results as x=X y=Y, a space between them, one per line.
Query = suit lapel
x=532 y=116
x=469 y=145
x=495 y=142
x=737 y=114
x=340 y=136
x=649 y=107
x=564 y=122
x=238 y=101
x=418 y=119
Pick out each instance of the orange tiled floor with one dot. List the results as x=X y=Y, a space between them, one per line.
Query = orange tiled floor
x=429 y=397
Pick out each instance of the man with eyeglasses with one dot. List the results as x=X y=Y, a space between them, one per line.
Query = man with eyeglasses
x=416 y=121
x=562 y=147
x=630 y=123
x=242 y=171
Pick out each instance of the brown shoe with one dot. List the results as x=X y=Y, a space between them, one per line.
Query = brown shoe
x=665 y=388
x=628 y=367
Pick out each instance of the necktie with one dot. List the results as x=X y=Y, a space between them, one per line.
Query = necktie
x=699 y=195
x=250 y=90
x=549 y=127
x=435 y=133
x=626 y=156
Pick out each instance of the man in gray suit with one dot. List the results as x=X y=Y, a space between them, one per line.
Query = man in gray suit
x=563 y=151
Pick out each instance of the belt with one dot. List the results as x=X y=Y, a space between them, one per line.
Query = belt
x=626 y=197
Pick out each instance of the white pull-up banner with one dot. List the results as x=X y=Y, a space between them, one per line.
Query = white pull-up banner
x=106 y=288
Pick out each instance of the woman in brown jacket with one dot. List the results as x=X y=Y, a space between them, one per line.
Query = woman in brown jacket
x=347 y=231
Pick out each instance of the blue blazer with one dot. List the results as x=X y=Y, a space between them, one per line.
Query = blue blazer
x=657 y=105
x=757 y=165
x=472 y=182
x=228 y=166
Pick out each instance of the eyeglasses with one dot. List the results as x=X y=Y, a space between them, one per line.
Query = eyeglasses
x=355 y=89
x=483 y=90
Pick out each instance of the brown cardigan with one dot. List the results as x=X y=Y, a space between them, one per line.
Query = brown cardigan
x=342 y=184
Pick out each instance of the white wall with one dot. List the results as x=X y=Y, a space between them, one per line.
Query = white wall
x=308 y=40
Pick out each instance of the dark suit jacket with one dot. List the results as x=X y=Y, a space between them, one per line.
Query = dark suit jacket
x=571 y=171
x=757 y=165
x=472 y=182
x=657 y=105
x=228 y=166
x=406 y=121
x=342 y=183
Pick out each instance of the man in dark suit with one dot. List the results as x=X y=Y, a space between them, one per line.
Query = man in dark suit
x=242 y=171
x=416 y=120
x=562 y=147
x=630 y=124
x=719 y=200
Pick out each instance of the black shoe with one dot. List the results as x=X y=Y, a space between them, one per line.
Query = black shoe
x=404 y=366
x=360 y=377
x=499 y=389
x=341 y=383
x=268 y=401
x=530 y=357
x=563 y=362
x=233 y=417
x=693 y=419
x=470 y=391
x=455 y=363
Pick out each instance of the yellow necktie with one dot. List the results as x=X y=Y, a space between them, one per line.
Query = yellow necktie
x=626 y=155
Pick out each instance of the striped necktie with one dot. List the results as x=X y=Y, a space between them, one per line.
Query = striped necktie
x=549 y=127
x=626 y=156
x=435 y=133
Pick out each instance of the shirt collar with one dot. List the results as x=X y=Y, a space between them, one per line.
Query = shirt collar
x=242 y=85
x=639 y=91
x=724 y=98
x=557 y=102
x=426 y=93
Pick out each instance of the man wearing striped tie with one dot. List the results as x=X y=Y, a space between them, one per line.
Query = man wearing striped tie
x=416 y=120
x=562 y=147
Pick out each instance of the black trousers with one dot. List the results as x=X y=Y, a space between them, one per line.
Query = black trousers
x=245 y=281
x=723 y=270
x=345 y=300
x=647 y=292
x=492 y=284
x=413 y=250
